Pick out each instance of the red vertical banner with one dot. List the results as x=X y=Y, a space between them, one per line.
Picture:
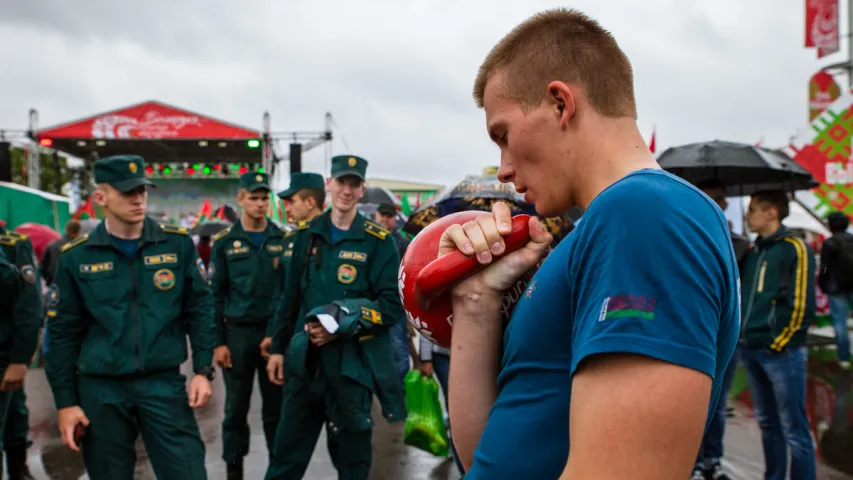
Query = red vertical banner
x=823 y=90
x=822 y=26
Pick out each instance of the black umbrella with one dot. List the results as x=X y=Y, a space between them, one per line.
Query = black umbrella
x=209 y=229
x=743 y=169
x=369 y=210
x=228 y=211
x=377 y=195
x=480 y=193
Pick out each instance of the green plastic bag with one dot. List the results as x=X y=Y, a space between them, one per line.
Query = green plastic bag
x=425 y=421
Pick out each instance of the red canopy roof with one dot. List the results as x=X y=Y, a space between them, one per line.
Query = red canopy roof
x=149 y=120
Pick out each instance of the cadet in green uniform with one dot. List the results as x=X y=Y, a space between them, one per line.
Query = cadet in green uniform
x=123 y=301
x=18 y=251
x=306 y=197
x=247 y=276
x=342 y=298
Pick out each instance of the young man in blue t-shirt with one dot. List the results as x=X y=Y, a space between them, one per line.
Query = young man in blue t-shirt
x=622 y=337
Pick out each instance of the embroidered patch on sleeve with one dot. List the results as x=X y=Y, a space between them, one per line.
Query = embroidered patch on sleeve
x=627 y=306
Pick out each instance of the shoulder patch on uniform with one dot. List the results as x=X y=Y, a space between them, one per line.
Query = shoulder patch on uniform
x=7 y=240
x=74 y=243
x=29 y=274
x=376 y=230
x=221 y=234
x=303 y=225
x=174 y=229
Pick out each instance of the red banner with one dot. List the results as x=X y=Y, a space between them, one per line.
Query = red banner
x=822 y=26
x=149 y=120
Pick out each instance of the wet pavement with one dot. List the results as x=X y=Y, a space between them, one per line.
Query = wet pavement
x=49 y=459
x=829 y=403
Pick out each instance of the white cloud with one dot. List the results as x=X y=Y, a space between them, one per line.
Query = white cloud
x=396 y=75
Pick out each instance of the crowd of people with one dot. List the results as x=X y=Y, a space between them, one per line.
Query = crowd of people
x=650 y=293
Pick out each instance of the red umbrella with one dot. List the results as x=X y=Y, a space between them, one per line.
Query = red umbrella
x=39 y=235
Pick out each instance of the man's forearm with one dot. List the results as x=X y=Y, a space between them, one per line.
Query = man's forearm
x=474 y=363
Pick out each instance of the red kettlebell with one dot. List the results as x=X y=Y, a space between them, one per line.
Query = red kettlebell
x=424 y=279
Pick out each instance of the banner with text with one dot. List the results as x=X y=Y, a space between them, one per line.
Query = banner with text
x=823 y=90
x=822 y=26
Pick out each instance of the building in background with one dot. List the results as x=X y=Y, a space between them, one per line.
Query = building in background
x=412 y=193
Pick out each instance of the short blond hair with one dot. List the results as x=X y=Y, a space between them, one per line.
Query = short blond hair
x=563 y=45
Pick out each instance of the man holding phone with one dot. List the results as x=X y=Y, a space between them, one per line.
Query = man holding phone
x=124 y=300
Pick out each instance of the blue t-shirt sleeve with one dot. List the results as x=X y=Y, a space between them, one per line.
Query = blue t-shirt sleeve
x=650 y=276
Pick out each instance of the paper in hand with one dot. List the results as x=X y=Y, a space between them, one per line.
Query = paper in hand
x=328 y=322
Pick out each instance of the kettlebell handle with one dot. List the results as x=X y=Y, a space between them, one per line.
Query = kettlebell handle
x=441 y=274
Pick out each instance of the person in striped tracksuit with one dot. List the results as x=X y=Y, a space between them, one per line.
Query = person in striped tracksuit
x=778 y=305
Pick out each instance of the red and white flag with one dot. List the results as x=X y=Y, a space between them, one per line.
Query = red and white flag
x=822 y=26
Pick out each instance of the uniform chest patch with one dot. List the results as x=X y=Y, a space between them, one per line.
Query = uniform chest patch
x=357 y=256
x=161 y=259
x=29 y=274
x=236 y=250
x=164 y=279
x=275 y=248
x=347 y=273
x=96 y=267
x=371 y=315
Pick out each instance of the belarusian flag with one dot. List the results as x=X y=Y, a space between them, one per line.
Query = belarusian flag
x=87 y=210
x=204 y=214
x=277 y=210
x=404 y=204
x=220 y=214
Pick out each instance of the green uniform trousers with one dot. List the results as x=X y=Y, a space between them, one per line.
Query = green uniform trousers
x=17 y=431
x=5 y=402
x=156 y=405
x=244 y=342
x=303 y=413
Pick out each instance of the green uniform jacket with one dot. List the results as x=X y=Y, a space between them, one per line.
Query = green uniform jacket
x=18 y=325
x=778 y=300
x=19 y=252
x=360 y=269
x=247 y=280
x=111 y=315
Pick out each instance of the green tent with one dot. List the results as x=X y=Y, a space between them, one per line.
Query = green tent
x=20 y=204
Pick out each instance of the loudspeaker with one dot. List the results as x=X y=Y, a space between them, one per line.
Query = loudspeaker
x=5 y=162
x=295 y=157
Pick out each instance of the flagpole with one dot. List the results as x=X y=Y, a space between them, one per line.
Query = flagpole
x=849 y=45
x=847 y=65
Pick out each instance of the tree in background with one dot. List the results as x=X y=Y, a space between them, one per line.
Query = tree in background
x=55 y=172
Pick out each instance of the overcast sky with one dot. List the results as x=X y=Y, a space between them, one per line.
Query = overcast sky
x=395 y=74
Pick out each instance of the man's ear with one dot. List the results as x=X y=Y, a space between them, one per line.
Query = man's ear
x=562 y=99
x=100 y=196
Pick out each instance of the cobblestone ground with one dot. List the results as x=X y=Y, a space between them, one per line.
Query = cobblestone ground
x=49 y=459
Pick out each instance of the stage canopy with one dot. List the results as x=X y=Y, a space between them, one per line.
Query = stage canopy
x=166 y=136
